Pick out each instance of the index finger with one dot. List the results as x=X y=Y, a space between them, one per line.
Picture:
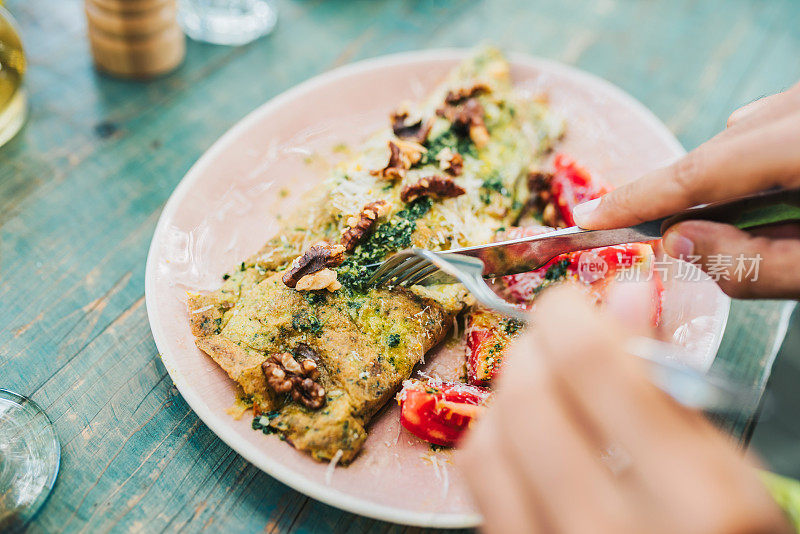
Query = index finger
x=730 y=165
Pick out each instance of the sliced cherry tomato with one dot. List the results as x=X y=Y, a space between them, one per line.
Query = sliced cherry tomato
x=595 y=269
x=572 y=185
x=440 y=412
x=624 y=262
x=489 y=335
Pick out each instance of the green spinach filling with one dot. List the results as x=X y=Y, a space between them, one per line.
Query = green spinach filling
x=306 y=322
x=493 y=183
x=555 y=273
x=448 y=139
x=390 y=236
x=261 y=422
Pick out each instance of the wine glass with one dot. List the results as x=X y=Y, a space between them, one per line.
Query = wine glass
x=30 y=455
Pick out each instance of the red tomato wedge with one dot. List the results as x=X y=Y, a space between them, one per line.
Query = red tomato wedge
x=440 y=412
x=594 y=268
x=488 y=337
x=572 y=185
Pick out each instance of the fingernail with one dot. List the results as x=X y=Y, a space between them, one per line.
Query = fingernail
x=582 y=212
x=678 y=246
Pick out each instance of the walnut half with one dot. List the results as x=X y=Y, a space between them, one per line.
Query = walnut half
x=450 y=162
x=360 y=225
x=315 y=259
x=402 y=156
x=284 y=374
x=410 y=129
x=462 y=94
x=539 y=183
x=436 y=186
x=467 y=119
x=324 y=279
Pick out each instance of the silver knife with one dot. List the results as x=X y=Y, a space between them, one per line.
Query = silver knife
x=529 y=253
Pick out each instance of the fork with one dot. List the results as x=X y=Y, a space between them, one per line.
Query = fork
x=411 y=266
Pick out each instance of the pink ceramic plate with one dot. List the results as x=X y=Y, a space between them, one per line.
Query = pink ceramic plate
x=229 y=203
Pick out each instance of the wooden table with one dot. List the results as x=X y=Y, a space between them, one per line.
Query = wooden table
x=83 y=184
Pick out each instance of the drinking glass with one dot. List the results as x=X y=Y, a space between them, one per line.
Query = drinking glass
x=226 y=22
x=12 y=68
x=30 y=455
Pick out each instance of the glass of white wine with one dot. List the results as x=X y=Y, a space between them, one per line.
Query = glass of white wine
x=13 y=106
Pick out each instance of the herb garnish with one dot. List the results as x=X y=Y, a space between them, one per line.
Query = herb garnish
x=390 y=236
x=448 y=139
x=314 y=297
x=306 y=323
x=393 y=340
x=511 y=326
x=261 y=422
x=557 y=271
x=492 y=183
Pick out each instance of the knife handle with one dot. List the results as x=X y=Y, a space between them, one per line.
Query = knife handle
x=761 y=209
x=529 y=253
x=753 y=211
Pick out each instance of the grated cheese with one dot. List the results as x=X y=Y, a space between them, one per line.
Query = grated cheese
x=332 y=466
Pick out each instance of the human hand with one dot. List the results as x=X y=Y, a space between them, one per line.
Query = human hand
x=758 y=151
x=569 y=395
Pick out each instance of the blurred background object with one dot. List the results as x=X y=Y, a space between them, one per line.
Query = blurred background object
x=30 y=455
x=12 y=68
x=135 y=38
x=226 y=22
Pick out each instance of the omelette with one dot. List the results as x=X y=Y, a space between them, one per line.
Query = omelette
x=315 y=351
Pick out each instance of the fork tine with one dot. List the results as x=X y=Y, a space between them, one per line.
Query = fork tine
x=420 y=274
x=385 y=267
x=399 y=271
x=412 y=270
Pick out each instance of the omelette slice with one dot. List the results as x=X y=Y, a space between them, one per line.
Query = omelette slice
x=315 y=351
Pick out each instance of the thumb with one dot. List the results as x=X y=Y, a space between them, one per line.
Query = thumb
x=744 y=265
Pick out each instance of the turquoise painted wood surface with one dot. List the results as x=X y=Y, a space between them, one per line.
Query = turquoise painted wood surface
x=81 y=188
